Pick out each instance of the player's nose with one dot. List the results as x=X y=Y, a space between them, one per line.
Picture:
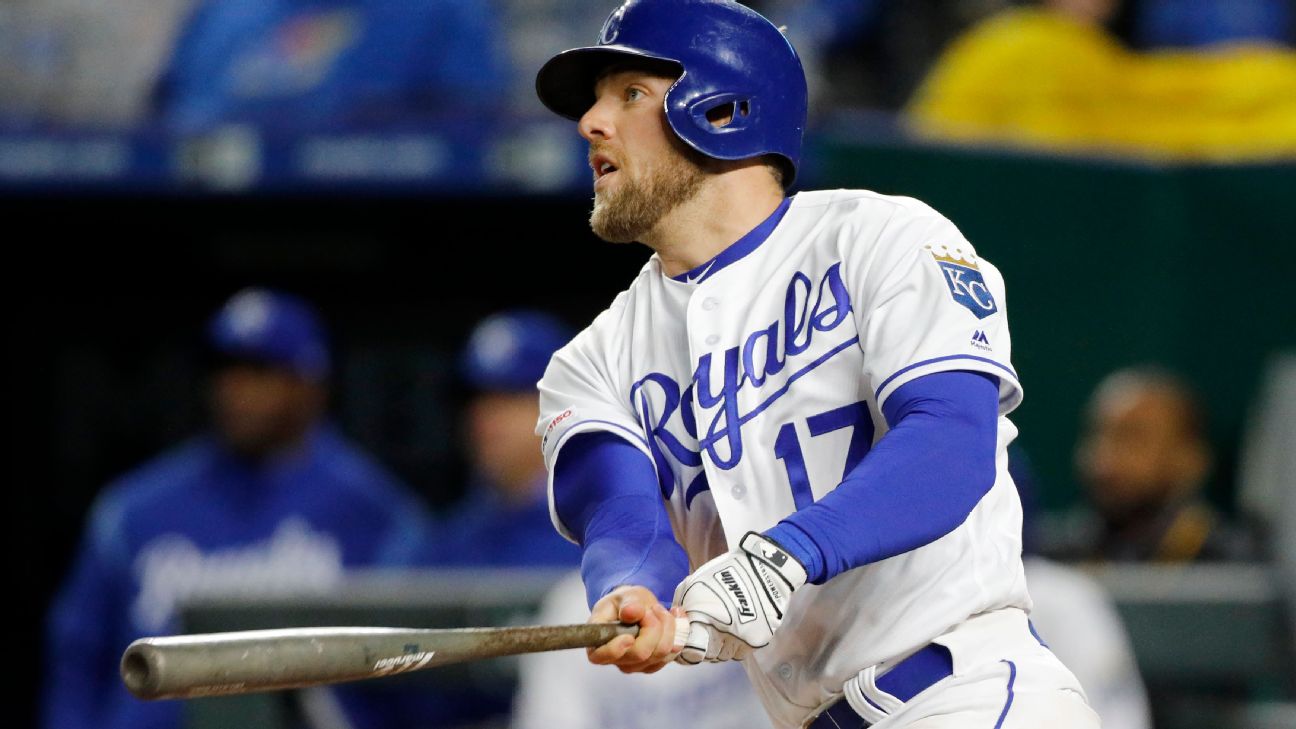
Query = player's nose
x=596 y=123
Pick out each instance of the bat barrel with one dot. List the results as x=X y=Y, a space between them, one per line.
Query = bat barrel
x=214 y=664
x=227 y=663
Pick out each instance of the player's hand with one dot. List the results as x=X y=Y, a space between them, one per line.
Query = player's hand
x=661 y=634
x=735 y=602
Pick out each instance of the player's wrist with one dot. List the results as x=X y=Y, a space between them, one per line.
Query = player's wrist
x=798 y=543
x=633 y=593
x=777 y=569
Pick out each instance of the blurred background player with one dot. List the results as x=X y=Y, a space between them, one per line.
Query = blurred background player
x=503 y=520
x=271 y=500
x=1143 y=460
x=562 y=689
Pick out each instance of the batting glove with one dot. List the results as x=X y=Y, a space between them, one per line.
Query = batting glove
x=735 y=602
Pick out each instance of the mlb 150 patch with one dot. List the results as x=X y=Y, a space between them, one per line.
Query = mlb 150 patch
x=964 y=280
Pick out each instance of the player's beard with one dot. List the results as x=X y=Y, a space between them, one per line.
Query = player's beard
x=630 y=210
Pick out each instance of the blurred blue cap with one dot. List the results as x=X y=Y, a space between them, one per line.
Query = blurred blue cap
x=509 y=351
x=273 y=328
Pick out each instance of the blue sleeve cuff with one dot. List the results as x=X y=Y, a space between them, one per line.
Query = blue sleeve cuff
x=802 y=548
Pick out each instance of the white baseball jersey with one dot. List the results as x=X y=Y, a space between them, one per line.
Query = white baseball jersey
x=757 y=386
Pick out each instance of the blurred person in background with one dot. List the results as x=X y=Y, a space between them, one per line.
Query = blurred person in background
x=562 y=689
x=1076 y=617
x=271 y=501
x=324 y=64
x=1052 y=76
x=503 y=520
x=1143 y=459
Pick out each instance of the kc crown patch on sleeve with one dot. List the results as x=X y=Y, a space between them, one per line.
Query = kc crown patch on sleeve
x=964 y=279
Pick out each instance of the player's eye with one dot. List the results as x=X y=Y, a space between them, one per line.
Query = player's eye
x=634 y=94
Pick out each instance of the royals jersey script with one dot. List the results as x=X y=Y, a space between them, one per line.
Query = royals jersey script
x=756 y=383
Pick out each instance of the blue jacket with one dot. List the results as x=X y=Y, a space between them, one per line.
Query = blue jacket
x=198 y=520
x=480 y=531
x=483 y=531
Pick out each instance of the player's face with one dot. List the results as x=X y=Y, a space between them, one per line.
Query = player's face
x=641 y=170
x=257 y=410
x=1136 y=452
x=502 y=440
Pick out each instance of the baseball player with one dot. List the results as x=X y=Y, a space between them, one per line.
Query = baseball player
x=791 y=427
x=272 y=499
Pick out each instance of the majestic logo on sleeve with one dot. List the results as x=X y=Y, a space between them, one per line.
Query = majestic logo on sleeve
x=964 y=280
x=810 y=312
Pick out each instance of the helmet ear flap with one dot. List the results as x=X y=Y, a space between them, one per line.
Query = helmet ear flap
x=723 y=113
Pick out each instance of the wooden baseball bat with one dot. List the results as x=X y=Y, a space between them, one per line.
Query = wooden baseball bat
x=218 y=664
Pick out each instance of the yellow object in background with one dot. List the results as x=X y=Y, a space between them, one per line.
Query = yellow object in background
x=1039 y=78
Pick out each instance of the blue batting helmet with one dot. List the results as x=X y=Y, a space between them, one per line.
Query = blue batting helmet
x=730 y=59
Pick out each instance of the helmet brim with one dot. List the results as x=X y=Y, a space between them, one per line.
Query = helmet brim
x=565 y=84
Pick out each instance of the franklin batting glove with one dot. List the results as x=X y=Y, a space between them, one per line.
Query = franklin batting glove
x=736 y=601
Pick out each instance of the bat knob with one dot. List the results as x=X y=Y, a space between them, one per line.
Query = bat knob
x=139 y=670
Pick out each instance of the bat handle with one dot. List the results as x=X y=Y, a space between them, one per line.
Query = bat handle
x=682 y=627
x=600 y=633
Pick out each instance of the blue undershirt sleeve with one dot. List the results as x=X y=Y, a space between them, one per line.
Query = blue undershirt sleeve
x=918 y=483
x=606 y=494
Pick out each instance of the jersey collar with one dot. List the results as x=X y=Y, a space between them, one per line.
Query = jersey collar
x=739 y=249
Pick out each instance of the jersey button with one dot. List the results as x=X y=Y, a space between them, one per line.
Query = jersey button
x=785 y=671
x=711 y=340
x=738 y=491
x=710 y=303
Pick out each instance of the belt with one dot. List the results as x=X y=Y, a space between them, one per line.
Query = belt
x=905 y=680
